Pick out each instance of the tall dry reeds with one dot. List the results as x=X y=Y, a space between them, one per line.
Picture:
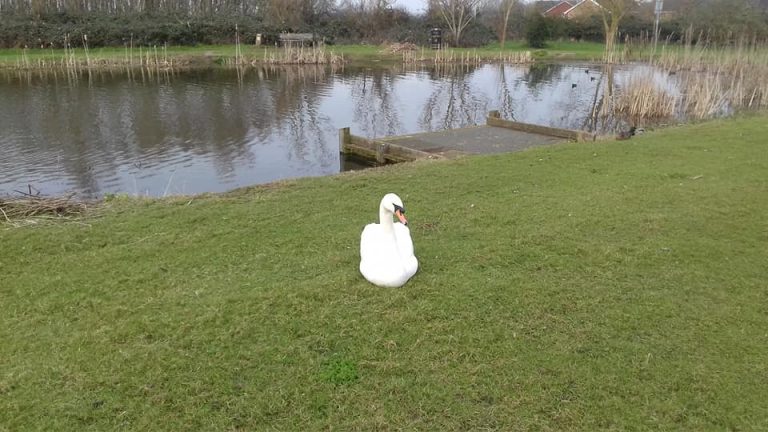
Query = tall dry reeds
x=735 y=75
x=448 y=56
x=290 y=55
x=642 y=97
x=73 y=61
x=713 y=80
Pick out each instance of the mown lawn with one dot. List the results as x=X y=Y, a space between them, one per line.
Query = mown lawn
x=599 y=286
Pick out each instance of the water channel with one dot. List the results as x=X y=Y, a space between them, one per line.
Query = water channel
x=214 y=130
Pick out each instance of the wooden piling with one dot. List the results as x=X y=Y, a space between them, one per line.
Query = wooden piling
x=344 y=139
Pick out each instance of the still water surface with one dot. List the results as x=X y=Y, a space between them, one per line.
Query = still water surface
x=216 y=130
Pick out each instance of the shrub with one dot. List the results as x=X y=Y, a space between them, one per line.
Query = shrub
x=110 y=30
x=537 y=31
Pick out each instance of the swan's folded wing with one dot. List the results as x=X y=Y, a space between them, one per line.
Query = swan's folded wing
x=404 y=242
x=368 y=240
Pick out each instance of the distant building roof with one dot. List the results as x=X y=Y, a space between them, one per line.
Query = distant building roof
x=582 y=8
x=558 y=9
x=545 y=5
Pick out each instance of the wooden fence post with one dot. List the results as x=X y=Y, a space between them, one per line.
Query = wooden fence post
x=344 y=139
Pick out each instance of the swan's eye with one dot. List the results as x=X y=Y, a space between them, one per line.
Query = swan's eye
x=399 y=209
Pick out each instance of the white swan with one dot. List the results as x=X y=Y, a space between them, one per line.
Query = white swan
x=386 y=248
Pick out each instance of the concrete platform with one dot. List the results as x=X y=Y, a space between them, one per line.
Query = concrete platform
x=496 y=136
x=472 y=140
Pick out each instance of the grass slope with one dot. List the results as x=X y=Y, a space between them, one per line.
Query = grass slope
x=613 y=285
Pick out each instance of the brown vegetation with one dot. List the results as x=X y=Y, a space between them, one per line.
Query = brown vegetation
x=27 y=206
x=300 y=55
x=644 y=98
x=445 y=56
x=713 y=80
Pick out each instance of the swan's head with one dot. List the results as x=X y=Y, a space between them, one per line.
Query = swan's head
x=393 y=204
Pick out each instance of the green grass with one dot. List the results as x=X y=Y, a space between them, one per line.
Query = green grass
x=591 y=286
x=11 y=58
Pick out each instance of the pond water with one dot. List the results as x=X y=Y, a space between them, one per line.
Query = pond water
x=215 y=130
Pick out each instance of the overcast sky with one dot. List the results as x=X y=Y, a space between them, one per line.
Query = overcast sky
x=414 y=6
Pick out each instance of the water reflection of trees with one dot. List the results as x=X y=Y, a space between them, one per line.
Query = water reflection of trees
x=507 y=86
x=102 y=130
x=294 y=114
x=93 y=129
x=453 y=102
x=374 y=101
x=541 y=73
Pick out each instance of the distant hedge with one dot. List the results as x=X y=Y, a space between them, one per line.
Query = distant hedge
x=104 y=30
x=157 y=29
x=153 y=29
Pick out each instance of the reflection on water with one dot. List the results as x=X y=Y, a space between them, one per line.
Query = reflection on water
x=215 y=130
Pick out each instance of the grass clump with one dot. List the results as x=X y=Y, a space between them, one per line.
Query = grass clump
x=340 y=371
x=585 y=286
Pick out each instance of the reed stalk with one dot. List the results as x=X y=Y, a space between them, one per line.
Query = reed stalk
x=85 y=48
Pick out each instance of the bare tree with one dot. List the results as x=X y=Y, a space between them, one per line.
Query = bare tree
x=369 y=17
x=613 y=11
x=457 y=14
x=505 y=10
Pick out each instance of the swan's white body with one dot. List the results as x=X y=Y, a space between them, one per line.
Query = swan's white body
x=386 y=248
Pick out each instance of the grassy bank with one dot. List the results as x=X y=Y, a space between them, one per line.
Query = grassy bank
x=225 y=54
x=613 y=285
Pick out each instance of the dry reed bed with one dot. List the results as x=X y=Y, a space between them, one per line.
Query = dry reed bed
x=298 y=55
x=444 y=56
x=713 y=80
x=715 y=75
x=643 y=98
x=72 y=59
x=14 y=209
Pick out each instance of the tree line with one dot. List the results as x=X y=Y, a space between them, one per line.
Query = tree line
x=464 y=22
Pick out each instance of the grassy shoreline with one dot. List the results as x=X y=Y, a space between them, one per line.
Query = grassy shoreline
x=610 y=285
x=209 y=55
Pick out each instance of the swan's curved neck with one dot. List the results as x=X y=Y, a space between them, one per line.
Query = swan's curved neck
x=385 y=219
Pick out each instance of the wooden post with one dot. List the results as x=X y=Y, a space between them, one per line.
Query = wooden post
x=381 y=150
x=344 y=139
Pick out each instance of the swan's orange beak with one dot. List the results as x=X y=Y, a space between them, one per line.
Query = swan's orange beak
x=401 y=216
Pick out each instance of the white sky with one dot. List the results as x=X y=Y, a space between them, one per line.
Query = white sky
x=414 y=6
